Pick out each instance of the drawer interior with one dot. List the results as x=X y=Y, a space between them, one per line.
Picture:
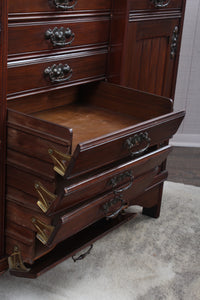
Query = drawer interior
x=86 y=120
x=93 y=110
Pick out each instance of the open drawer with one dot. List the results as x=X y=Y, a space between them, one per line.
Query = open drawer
x=51 y=153
x=71 y=166
x=35 y=233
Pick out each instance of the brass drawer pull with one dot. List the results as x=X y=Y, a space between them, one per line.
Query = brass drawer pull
x=109 y=204
x=59 y=36
x=117 y=179
x=82 y=256
x=138 y=140
x=160 y=3
x=65 y=4
x=57 y=73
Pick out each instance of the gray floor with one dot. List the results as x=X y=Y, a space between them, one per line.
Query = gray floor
x=183 y=165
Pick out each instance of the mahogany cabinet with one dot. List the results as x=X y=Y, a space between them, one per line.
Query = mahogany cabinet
x=81 y=149
x=151 y=40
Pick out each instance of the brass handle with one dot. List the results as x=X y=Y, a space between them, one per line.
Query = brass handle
x=138 y=140
x=174 y=42
x=109 y=204
x=116 y=180
x=65 y=4
x=57 y=73
x=82 y=256
x=160 y=3
x=59 y=36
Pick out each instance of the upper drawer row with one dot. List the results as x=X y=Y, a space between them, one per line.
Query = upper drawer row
x=28 y=6
x=57 y=35
x=154 y=4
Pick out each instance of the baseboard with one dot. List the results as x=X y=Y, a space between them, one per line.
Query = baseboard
x=186 y=140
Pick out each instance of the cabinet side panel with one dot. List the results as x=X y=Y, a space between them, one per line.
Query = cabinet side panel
x=3 y=62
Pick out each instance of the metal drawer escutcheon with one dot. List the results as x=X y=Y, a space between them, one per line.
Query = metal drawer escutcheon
x=65 y=4
x=57 y=73
x=160 y=3
x=138 y=140
x=59 y=36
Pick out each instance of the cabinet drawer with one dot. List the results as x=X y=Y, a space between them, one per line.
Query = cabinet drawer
x=61 y=70
x=155 y=4
x=19 y=6
x=40 y=36
x=95 y=160
x=118 y=179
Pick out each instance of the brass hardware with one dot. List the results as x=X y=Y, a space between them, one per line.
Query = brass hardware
x=82 y=256
x=174 y=42
x=46 y=197
x=56 y=73
x=115 y=200
x=44 y=231
x=160 y=3
x=60 y=161
x=15 y=261
x=65 y=4
x=136 y=141
x=116 y=180
x=59 y=36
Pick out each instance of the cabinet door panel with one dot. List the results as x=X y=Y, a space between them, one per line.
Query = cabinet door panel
x=148 y=64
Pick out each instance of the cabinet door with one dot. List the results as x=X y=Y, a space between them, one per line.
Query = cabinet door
x=150 y=55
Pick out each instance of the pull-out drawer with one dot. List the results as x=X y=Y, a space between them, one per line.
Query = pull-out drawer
x=58 y=179
x=56 y=36
x=61 y=70
x=54 y=6
x=128 y=182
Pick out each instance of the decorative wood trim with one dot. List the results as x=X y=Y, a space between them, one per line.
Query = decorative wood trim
x=155 y=15
x=18 y=17
x=3 y=62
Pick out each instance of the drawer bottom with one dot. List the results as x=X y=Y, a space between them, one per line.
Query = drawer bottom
x=72 y=245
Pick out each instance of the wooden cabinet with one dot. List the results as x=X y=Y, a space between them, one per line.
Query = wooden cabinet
x=151 y=42
x=80 y=148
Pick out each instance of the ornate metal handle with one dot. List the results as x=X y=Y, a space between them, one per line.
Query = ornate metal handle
x=57 y=73
x=82 y=256
x=65 y=4
x=174 y=42
x=160 y=3
x=115 y=181
x=136 y=141
x=58 y=37
x=106 y=207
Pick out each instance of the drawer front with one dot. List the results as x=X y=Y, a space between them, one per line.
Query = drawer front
x=155 y=4
x=63 y=70
x=20 y=6
x=54 y=36
x=118 y=180
x=127 y=143
x=107 y=206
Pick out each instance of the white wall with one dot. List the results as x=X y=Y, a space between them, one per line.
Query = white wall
x=187 y=94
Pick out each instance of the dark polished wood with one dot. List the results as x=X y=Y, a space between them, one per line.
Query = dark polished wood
x=80 y=149
x=3 y=60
